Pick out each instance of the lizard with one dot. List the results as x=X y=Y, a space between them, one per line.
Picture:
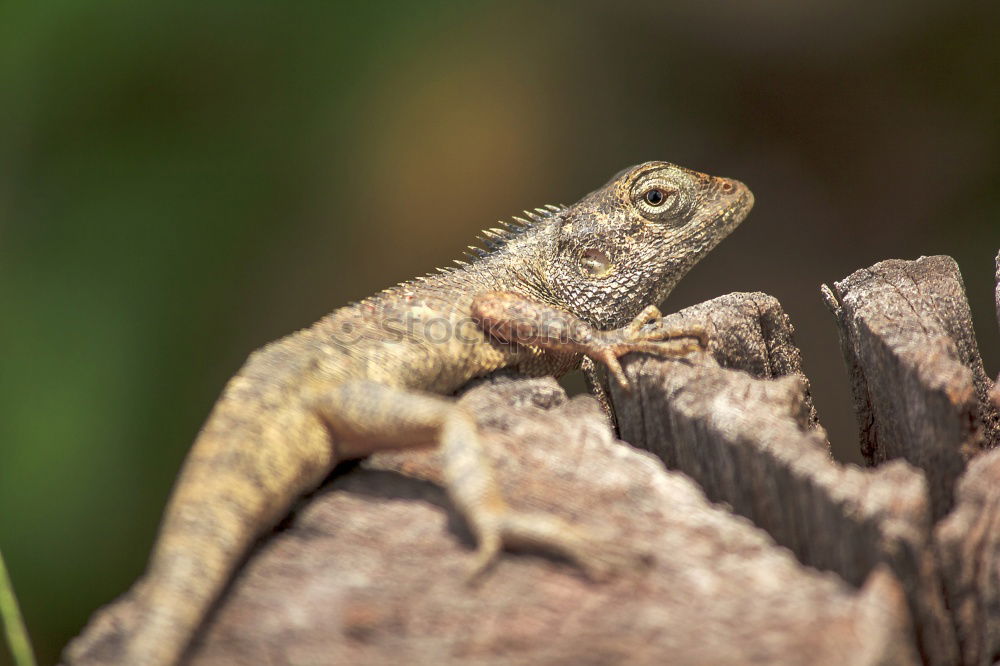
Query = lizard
x=562 y=285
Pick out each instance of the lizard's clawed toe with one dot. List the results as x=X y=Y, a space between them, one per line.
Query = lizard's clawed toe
x=599 y=555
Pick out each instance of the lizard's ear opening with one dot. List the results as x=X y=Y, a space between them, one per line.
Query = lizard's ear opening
x=595 y=263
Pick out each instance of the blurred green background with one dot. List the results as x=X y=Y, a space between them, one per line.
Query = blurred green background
x=180 y=184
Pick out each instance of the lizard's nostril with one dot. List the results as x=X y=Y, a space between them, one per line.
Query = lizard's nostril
x=727 y=186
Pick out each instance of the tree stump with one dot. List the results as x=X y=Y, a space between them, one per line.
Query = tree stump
x=749 y=542
x=919 y=387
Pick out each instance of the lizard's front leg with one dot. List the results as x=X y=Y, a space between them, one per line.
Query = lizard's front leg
x=365 y=417
x=512 y=318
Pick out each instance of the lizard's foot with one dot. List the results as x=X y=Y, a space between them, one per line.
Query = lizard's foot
x=636 y=336
x=598 y=555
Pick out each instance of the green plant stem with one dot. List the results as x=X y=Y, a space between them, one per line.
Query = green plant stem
x=10 y=614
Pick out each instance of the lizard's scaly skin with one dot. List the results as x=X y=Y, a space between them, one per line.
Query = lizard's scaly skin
x=562 y=285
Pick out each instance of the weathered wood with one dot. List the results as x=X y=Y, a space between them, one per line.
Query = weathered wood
x=995 y=394
x=751 y=332
x=968 y=541
x=748 y=443
x=919 y=387
x=996 y=292
x=371 y=570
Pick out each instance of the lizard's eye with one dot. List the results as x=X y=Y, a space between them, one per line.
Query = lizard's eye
x=662 y=201
x=655 y=196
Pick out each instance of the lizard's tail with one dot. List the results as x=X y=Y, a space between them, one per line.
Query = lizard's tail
x=237 y=481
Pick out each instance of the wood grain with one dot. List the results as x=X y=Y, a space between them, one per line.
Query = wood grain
x=746 y=435
x=919 y=387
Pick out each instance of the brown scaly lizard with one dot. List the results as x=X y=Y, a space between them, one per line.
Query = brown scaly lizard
x=564 y=285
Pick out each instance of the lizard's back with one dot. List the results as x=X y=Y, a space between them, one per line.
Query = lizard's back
x=417 y=335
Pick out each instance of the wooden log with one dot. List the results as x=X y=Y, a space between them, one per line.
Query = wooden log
x=995 y=394
x=919 y=387
x=751 y=443
x=371 y=570
x=996 y=292
x=750 y=331
x=968 y=541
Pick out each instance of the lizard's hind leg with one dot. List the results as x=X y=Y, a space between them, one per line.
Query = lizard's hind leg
x=365 y=417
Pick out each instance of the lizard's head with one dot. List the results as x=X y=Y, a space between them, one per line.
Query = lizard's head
x=626 y=245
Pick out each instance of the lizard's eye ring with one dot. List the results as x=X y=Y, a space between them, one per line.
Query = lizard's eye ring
x=663 y=200
x=655 y=196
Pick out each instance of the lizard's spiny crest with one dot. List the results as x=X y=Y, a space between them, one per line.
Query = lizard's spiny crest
x=492 y=239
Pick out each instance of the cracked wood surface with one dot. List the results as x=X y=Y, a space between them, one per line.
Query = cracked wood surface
x=371 y=570
x=996 y=291
x=750 y=331
x=922 y=395
x=995 y=394
x=919 y=387
x=747 y=434
x=968 y=541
